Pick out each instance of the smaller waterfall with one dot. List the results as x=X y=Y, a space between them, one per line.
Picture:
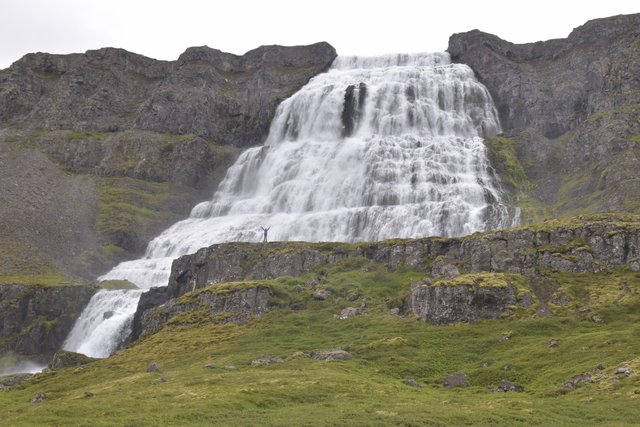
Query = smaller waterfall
x=104 y=323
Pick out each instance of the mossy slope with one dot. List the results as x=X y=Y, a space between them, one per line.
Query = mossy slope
x=368 y=389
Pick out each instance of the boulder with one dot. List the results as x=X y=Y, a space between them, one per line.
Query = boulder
x=457 y=379
x=444 y=303
x=65 y=359
x=331 y=355
x=350 y=312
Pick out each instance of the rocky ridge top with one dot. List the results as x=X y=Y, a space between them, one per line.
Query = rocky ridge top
x=212 y=94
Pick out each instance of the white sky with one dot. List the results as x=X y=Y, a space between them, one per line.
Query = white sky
x=163 y=29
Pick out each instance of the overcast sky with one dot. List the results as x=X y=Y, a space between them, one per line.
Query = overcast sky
x=163 y=29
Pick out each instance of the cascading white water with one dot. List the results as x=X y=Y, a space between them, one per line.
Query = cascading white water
x=375 y=148
x=104 y=323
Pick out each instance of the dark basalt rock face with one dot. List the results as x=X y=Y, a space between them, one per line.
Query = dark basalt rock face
x=35 y=320
x=571 y=106
x=553 y=85
x=231 y=306
x=452 y=304
x=215 y=95
x=585 y=245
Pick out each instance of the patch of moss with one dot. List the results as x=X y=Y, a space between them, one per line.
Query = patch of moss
x=77 y=135
x=484 y=279
x=47 y=280
x=504 y=159
x=116 y=284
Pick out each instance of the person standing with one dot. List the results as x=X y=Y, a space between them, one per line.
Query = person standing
x=265 y=231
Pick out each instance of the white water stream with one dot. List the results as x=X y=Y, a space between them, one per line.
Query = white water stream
x=375 y=148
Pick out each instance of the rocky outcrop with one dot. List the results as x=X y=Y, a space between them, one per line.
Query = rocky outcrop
x=101 y=151
x=215 y=95
x=553 y=85
x=445 y=303
x=583 y=244
x=65 y=359
x=577 y=245
x=35 y=320
x=235 y=303
x=571 y=107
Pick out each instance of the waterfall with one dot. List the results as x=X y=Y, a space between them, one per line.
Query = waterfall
x=375 y=148
x=104 y=324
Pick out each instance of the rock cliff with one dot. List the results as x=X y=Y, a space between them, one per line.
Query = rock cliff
x=585 y=244
x=36 y=319
x=212 y=94
x=101 y=151
x=570 y=109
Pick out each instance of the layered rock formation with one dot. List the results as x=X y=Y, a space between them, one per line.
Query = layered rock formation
x=452 y=303
x=580 y=245
x=101 y=151
x=215 y=95
x=237 y=304
x=571 y=108
x=35 y=319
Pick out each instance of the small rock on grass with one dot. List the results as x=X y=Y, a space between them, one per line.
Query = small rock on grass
x=622 y=370
x=322 y=294
x=331 y=355
x=507 y=386
x=411 y=382
x=39 y=397
x=457 y=379
x=266 y=360
x=350 y=312
x=153 y=367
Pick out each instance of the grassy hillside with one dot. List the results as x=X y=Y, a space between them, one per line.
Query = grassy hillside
x=369 y=388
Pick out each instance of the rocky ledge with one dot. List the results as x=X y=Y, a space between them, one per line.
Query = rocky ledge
x=475 y=277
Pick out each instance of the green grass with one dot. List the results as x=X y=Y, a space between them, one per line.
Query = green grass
x=117 y=284
x=48 y=280
x=368 y=389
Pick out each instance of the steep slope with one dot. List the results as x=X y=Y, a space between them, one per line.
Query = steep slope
x=101 y=151
x=570 y=111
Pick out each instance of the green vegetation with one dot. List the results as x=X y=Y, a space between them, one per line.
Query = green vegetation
x=494 y=280
x=47 y=280
x=85 y=134
x=116 y=284
x=132 y=211
x=503 y=157
x=369 y=388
